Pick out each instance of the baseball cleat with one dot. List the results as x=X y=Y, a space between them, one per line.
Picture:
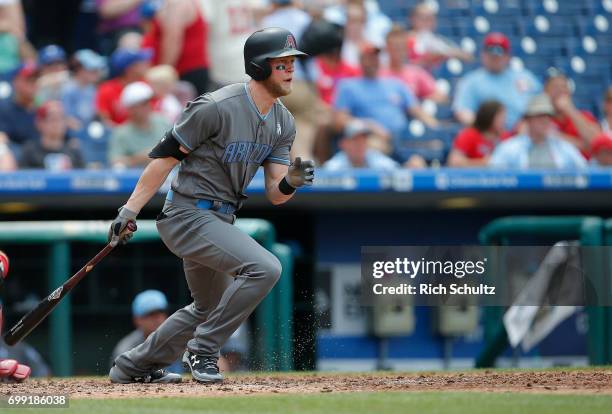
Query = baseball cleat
x=160 y=376
x=203 y=368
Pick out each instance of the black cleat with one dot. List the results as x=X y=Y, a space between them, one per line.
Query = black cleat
x=203 y=368
x=160 y=376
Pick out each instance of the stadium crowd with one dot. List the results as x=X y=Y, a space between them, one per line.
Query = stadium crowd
x=388 y=84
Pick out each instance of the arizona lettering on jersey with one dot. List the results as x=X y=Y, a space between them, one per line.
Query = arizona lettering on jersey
x=251 y=152
x=228 y=140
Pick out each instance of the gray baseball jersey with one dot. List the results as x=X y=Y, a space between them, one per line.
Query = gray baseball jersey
x=228 y=273
x=229 y=140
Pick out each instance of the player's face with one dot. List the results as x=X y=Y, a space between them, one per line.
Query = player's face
x=53 y=125
x=355 y=148
x=424 y=20
x=150 y=322
x=396 y=47
x=538 y=126
x=369 y=64
x=499 y=121
x=494 y=62
x=279 y=82
x=139 y=111
x=557 y=87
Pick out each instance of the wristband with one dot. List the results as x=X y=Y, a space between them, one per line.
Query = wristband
x=285 y=188
x=125 y=213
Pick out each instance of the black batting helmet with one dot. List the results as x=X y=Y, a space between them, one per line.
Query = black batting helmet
x=265 y=44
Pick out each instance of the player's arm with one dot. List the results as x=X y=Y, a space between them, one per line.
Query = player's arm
x=283 y=180
x=149 y=182
x=165 y=156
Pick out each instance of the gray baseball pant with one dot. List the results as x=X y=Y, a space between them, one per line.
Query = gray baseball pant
x=228 y=274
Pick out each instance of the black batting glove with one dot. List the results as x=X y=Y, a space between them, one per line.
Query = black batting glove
x=119 y=232
x=300 y=173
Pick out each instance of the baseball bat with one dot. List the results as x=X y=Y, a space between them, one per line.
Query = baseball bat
x=33 y=318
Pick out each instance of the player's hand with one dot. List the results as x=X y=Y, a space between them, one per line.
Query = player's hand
x=123 y=227
x=300 y=173
x=564 y=104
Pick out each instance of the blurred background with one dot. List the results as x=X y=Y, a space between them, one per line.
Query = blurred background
x=450 y=122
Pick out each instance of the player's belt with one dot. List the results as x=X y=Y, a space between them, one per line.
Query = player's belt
x=223 y=207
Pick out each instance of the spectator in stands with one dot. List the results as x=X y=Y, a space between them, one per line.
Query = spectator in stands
x=163 y=80
x=79 y=94
x=354 y=33
x=7 y=158
x=425 y=46
x=127 y=66
x=302 y=102
x=149 y=311
x=52 y=59
x=179 y=37
x=230 y=22
x=576 y=126
x=495 y=80
x=539 y=147
x=184 y=92
x=606 y=122
x=54 y=73
x=131 y=142
x=473 y=145
x=601 y=150
x=385 y=101
x=56 y=150
x=325 y=43
x=14 y=47
x=130 y=40
x=26 y=354
x=287 y=15
x=374 y=24
x=354 y=151
x=17 y=113
x=420 y=82
x=116 y=18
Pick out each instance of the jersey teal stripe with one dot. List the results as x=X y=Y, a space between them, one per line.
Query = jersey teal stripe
x=279 y=160
x=263 y=117
x=180 y=139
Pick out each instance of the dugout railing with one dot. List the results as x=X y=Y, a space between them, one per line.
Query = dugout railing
x=590 y=231
x=272 y=344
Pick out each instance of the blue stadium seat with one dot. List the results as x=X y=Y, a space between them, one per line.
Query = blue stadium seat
x=602 y=7
x=593 y=69
x=94 y=139
x=587 y=46
x=432 y=145
x=6 y=88
x=598 y=25
x=454 y=8
x=537 y=64
x=446 y=31
x=541 y=47
x=397 y=10
x=489 y=8
x=559 y=7
x=541 y=25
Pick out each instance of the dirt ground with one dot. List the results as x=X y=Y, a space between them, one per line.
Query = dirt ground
x=591 y=381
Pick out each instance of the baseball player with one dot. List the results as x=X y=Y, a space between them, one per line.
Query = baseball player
x=220 y=141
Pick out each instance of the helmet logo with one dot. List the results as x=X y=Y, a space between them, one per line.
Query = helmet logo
x=290 y=43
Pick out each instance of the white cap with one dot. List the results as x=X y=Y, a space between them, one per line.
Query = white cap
x=135 y=93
